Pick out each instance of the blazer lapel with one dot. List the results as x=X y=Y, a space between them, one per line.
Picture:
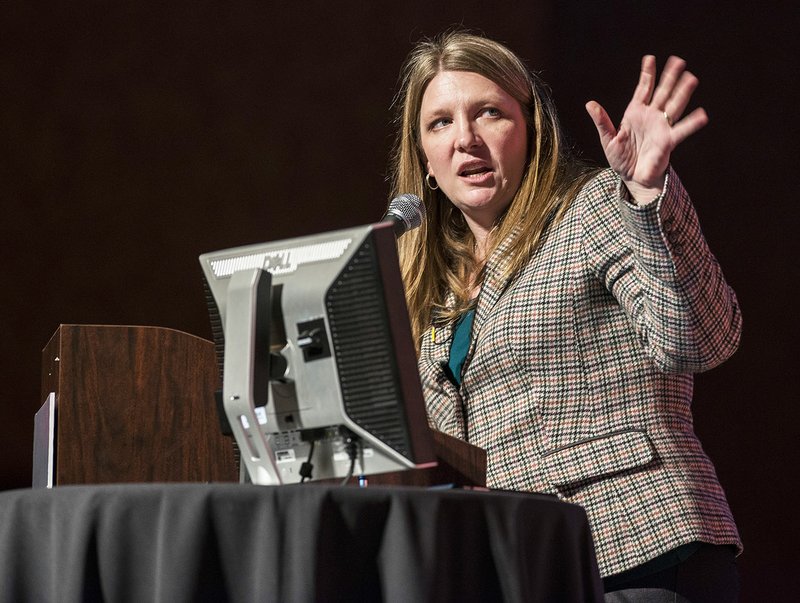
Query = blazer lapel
x=443 y=399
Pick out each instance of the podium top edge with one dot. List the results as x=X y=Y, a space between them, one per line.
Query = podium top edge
x=64 y=326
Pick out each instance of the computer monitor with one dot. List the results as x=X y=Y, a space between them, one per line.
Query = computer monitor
x=315 y=344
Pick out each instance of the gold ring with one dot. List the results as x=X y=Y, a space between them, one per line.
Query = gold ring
x=668 y=118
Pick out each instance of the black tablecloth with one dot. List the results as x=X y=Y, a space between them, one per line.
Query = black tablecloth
x=197 y=542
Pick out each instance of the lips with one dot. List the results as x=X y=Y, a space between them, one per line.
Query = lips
x=473 y=169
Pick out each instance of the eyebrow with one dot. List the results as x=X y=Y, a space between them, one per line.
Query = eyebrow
x=490 y=98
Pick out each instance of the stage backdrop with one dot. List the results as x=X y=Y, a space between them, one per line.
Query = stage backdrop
x=137 y=136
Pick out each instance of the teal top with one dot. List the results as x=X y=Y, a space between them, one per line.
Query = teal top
x=459 y=346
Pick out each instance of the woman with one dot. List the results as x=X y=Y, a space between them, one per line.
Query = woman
x=559 y=312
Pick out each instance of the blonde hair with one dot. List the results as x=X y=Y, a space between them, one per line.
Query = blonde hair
x=438 y=258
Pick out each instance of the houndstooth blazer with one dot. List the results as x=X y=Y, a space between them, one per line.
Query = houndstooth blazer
x=578 y=381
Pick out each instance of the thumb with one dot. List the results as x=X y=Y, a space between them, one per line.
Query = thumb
x=605 y=128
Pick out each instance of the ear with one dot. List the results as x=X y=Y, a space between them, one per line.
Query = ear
x=429 y=170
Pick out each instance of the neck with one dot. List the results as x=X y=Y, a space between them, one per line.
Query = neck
x=481 y=232
x=480 y=253
x=481 y=236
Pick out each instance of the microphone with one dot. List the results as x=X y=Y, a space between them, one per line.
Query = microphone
x=406 y=212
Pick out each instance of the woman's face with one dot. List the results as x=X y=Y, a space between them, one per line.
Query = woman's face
x=474 y=138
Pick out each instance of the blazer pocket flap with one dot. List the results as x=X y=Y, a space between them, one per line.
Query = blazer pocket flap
x=597 y=457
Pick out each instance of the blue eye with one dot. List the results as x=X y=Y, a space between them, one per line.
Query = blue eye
x=491 y=112
x=440 y=123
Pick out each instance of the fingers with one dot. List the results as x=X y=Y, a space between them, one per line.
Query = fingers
x=681 y=94
x=672 y=96
x=647 y=80
x=603 y=123
x=689 y=125
x=666 y=85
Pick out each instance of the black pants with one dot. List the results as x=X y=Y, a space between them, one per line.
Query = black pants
x=708 y=575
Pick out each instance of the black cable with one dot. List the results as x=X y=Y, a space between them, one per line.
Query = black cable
x=352 y=451
x=306 y=469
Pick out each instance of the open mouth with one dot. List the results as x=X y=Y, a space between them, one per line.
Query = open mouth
x=474 y=171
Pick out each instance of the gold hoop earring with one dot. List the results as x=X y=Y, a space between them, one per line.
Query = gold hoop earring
x=434 y=186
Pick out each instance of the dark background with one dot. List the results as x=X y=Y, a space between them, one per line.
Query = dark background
x=136 y=137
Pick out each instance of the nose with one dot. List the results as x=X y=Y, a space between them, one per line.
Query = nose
x=468 y=137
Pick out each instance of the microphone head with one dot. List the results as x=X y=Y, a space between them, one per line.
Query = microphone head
x=407 y=209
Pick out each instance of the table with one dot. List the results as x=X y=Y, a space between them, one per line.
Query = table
x=305 y=542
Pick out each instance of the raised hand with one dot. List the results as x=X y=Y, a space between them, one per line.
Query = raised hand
x=651 y=127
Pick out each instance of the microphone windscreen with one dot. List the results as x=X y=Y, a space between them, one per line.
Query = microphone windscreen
x=408 y=209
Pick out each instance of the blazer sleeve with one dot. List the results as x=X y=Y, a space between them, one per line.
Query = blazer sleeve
x=655 y=261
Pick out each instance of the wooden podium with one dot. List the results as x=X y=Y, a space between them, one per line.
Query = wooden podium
x=132 y=404
x=136 y=404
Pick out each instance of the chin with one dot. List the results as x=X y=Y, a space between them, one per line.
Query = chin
x=479 y=202
x=489 y=204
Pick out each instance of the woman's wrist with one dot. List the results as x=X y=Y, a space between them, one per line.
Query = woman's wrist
x=641 y=194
